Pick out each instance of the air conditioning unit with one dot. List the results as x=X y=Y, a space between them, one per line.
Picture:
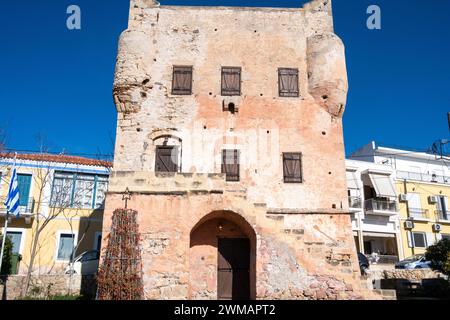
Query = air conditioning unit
x=436 y=227
x=403 y=197
x=409 y=224
x=433 y=199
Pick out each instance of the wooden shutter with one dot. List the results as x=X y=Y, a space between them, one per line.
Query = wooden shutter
x=230 y=164
x=292 y=167
x=410 y=239
x=182 y=80
x=164 y=161
x=24 y=185
x=288 y=82
x=231 y=81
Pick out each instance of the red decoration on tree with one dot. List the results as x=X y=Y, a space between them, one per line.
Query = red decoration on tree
x=120 y=275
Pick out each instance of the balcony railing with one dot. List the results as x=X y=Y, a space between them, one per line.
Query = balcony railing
x=355 y=202
x=425 y=177
x=382 y=259
x=24 y=209
x=442 y=215
x=380 y=205
x=418 y=213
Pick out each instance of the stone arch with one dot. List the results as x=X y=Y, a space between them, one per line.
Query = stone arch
x=205 y=238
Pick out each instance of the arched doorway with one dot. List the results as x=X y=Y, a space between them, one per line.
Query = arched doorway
x=222 y=258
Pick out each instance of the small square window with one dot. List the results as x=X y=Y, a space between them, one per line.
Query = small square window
x=231 y=81
x=419 y=240
x=292 y=167
x=66 y=245
x=230 y=164
x=182 y=80
x=288 y=82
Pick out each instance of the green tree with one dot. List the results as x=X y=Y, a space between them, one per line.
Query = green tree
x=6 y=264
x=439 y=255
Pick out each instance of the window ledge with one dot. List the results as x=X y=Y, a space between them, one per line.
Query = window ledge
x=422 y=219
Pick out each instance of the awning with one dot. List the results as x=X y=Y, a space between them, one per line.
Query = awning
x=378 y=234
x=352 y=182
x=382 y=183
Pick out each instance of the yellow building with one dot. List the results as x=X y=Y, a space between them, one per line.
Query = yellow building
x=61 y=208
x=424 y=211
x=422 y=183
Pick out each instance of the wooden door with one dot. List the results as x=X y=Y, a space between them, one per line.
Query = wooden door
x=233 y=276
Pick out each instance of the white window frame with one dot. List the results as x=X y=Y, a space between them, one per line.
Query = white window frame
x=26 y=171
x=439 y=207
x=424 y=234
x=81 y=183
x=97 y=234
x=22 y=238
x=58 y=239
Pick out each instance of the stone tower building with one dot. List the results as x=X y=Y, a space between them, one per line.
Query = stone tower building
x=229 y=138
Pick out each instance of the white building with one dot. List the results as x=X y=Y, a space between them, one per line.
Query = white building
x=422 y=182
x=373 y=203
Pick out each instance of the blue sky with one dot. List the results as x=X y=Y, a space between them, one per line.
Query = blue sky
x=57 y=83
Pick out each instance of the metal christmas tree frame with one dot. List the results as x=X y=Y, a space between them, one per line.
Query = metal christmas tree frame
x=120 y=275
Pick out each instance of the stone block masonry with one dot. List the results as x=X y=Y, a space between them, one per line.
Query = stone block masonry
x=44 y=286
x=280 y=228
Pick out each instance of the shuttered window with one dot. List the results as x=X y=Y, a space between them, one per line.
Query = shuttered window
x=288 y=82
x=292 y=167
x=182 y=80
x=24 y=185
x=231 y=81
x=166 y=159
x=230 y=164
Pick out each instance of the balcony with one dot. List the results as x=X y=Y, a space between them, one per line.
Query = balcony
x=355 y=203
x=442 y=215
x=424 y=177
x=418 y=213
x=26 y=211
x=382 y=259
x=380 y=207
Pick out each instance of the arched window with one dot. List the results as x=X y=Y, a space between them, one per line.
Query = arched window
x=167 y=153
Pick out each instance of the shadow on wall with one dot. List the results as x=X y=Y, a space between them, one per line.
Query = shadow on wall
x=437 y=288
x=89 y=240
x=222 y=250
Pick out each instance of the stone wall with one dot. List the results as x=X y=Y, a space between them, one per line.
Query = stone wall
x=48 y=285
x=301 y=240
x=412 y=283
x=260 y=40
x=294 y=255
x=412 y=275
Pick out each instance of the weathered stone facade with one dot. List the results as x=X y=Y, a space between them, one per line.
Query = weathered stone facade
x=44 y=286
x=300 y=236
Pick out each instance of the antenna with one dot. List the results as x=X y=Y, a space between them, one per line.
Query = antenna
x=448 y=118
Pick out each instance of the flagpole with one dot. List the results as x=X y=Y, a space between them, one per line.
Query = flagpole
x=3 y=240
x=5 y=230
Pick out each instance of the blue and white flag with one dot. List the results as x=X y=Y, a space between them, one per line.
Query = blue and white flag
x=12 y=200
